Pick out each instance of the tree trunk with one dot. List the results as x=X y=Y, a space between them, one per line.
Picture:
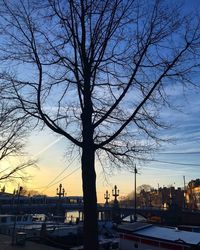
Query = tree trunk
x=90 y=228
x=89 y=193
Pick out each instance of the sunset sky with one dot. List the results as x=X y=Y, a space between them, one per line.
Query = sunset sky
x=170 y=163
x=183 y=153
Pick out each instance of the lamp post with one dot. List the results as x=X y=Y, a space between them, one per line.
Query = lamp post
x=17 y=212
x=184 y=194
x=60 y=192
x=116 y=211
x=115 y=193
x=106 y=197
x=135 y=201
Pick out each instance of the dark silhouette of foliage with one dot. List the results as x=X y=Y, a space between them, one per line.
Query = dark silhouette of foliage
x=12 y=138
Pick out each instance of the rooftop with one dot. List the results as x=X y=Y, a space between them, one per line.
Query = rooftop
x=161 y=233
x=170 y=234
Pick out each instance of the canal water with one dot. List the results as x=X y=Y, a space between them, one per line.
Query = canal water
x=71 y=216
x=130 y=218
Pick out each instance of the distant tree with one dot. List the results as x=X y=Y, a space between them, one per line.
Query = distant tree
x=98 y=73
x=127 y=200
x=3 y=189
x=144 y=187
x=28 y=192
x=130 y=198
x=194 y=183
x=33 y=193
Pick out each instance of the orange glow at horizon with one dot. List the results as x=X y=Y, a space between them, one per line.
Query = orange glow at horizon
x=53 y=162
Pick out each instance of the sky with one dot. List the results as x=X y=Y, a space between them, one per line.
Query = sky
x=169 y=164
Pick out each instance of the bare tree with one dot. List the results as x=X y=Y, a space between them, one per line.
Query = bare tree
x=29 y=192
x=98 y=73
x=12 y=136
x=144 y=187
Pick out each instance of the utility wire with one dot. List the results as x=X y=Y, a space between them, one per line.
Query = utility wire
x=50 y=183
x=177 y=163
x=61 y=172
x=62 y=179
x=166 y=162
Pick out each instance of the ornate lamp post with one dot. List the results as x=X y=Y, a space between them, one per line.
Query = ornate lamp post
x=115 y=193
x=60 y=192
x=106 y=197
x=116 y=212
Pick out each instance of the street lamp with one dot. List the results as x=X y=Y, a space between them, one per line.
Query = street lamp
x=135 y=203
x=106 y=197
x=115 y=193
x=17 y=212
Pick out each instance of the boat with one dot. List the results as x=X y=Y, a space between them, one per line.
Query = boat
x=40 y=228
x=149 y=236
x=36 y=226
x=7 y=222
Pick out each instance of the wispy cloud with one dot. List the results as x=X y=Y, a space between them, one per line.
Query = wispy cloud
x=48 y=146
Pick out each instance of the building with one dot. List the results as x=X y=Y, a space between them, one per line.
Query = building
x=165 y=197
x=196 y=195
x=193 y=194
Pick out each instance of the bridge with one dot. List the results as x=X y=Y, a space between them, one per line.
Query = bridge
x=39 y=208
x=166 y=216
x=170 y=216
x=60 y=205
